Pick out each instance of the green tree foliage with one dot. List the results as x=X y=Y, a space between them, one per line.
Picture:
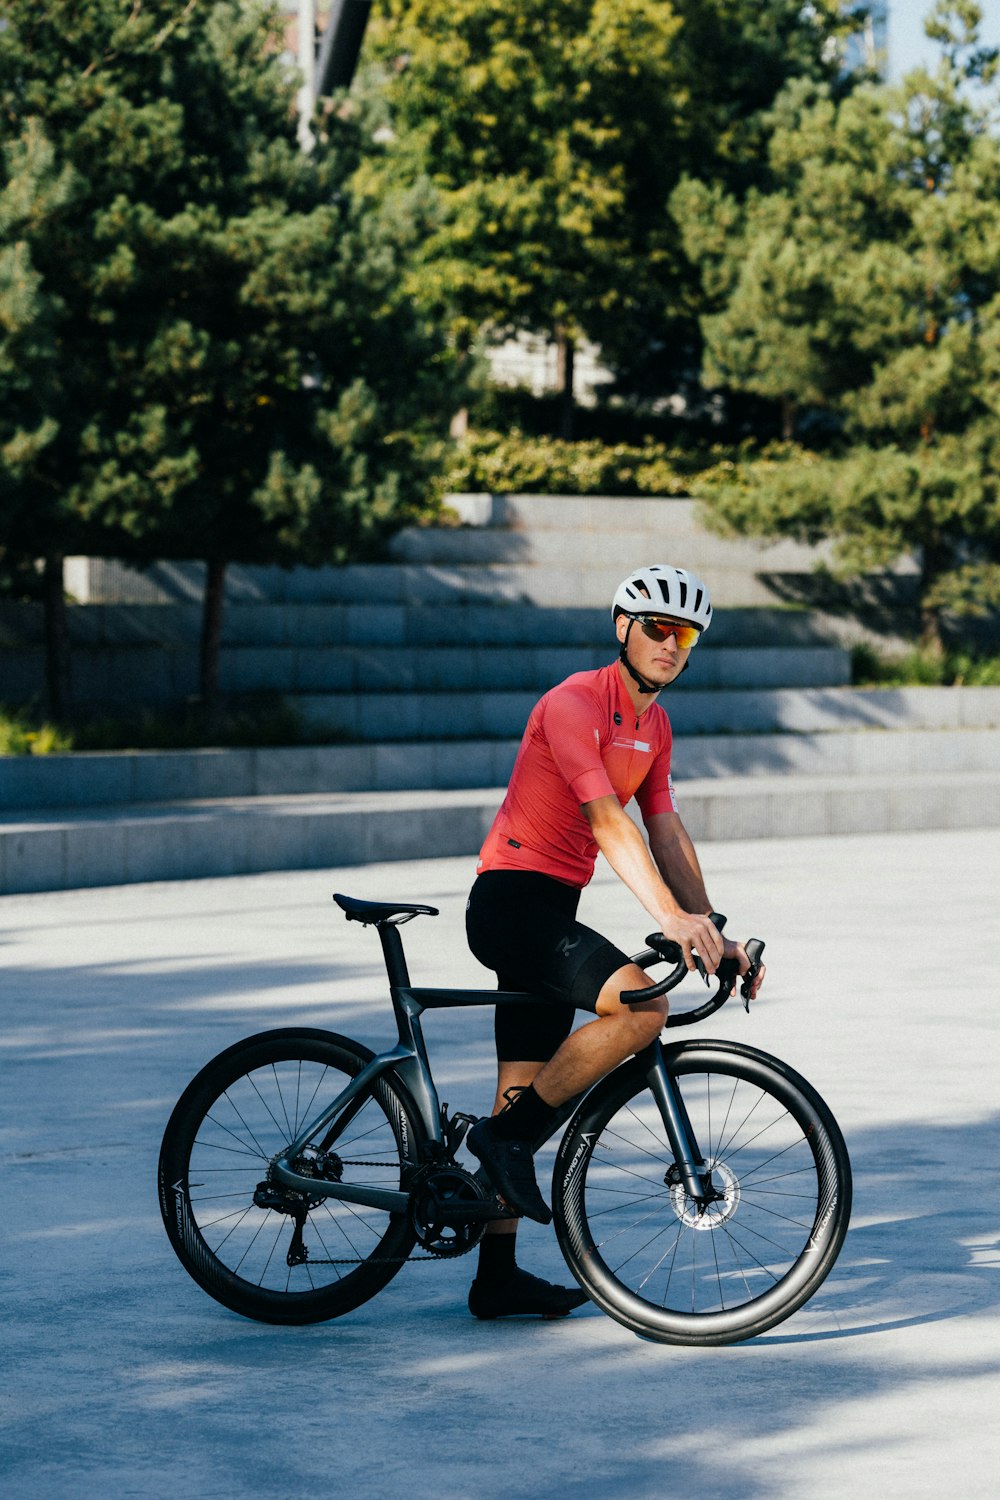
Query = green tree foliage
x=866 y=285
x=205 y=347
x=547 y=136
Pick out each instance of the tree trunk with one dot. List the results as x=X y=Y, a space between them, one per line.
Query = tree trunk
x=930 y=630
x=936 y=560
x=56 y=638
x=787 y=418
x=211 y=635
x=565 y=360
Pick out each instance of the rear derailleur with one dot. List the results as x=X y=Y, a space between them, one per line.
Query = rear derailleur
x=324 y=1165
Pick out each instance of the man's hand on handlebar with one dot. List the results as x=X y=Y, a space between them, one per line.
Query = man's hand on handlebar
x=691 y=930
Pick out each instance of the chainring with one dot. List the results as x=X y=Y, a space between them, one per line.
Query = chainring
x=435 y=1211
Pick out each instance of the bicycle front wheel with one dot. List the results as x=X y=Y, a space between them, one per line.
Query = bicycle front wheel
x=277 y=1257
x=636 y=1241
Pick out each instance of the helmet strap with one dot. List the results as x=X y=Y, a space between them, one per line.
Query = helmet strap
x=642 y=684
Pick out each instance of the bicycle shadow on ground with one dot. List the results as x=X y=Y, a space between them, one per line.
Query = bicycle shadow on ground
x=116 y=1344
x=418 y=1396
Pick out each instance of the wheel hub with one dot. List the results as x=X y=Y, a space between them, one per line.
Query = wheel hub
x=721 y=1207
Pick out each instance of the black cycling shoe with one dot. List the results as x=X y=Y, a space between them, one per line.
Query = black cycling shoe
x=522 y=1294
x=511 y=1170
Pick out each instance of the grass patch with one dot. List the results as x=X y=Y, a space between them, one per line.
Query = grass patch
x=923 y=668
x=21 y=733
x=238 y=724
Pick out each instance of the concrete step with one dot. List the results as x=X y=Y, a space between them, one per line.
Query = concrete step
x=470 y=668
x=118 y=678
x=754 y=583
x=391 y=625
x=616 y=548
x=28 y=783
x=859 y=752
x=113 y=846
x=692 y=710
x=673 y=515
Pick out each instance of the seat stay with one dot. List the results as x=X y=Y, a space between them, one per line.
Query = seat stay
x=393 y=1200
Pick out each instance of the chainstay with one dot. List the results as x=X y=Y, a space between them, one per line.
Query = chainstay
x=379 y=1260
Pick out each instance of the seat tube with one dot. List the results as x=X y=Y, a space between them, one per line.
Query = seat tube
x=687 y=1155
x=413 y=1066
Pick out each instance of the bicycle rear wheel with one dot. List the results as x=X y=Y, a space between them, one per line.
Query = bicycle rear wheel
x=324 y=1257
x=636 y=1241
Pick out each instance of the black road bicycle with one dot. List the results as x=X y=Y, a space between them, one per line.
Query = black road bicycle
x=701 y=1191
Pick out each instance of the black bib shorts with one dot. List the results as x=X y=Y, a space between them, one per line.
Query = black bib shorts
x=523 y=925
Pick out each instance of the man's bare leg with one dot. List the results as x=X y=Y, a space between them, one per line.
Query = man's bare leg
x=505 y=1143
x=619 y=1032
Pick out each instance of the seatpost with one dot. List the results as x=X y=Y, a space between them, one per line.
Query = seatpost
x=392 y=952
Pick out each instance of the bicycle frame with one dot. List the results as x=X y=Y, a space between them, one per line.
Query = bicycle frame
x=409 y=1062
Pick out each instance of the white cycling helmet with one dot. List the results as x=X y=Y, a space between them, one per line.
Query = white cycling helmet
x=659 y=589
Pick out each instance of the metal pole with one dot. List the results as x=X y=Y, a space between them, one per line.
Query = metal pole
x=341 y=44
x=307 y=67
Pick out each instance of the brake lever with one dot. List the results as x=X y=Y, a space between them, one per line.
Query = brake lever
x=753 y=949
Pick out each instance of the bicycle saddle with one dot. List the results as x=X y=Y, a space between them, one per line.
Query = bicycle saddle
x=373 y=912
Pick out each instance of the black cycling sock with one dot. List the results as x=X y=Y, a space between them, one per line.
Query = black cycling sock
x=496 y=1257
x=527 y=1118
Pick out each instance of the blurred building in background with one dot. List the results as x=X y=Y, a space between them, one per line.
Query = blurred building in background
x=869 y=47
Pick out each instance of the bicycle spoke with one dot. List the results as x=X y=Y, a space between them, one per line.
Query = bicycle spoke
x=644 y=1237
x=252 y=1119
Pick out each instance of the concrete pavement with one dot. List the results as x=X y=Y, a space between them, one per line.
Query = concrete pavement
x=121 y=1378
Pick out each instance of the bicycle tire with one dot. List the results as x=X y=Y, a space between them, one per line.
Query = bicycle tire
x=631 y=1234
x=232 y=1119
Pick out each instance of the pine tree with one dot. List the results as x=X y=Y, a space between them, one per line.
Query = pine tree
x=866 y=286
x=205 y=345
x=546 y=137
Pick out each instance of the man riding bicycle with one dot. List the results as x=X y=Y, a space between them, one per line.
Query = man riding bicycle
x=591 y=744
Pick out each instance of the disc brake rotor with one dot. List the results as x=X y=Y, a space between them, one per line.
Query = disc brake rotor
x=714 y=1214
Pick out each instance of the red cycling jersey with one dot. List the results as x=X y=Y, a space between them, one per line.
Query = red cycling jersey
x=583 y=741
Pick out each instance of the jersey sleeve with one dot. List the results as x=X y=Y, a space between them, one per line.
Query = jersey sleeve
x=572 y=728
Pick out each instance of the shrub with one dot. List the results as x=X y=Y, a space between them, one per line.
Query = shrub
x=511 y=463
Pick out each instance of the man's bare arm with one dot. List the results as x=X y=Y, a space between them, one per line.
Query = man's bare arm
x=675 y=858
x=624 y=848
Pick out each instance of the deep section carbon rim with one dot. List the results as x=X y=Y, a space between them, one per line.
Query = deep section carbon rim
x=657 y=1261
x=259 y=1250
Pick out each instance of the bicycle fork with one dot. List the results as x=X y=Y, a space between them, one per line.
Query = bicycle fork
x=694 y=1173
